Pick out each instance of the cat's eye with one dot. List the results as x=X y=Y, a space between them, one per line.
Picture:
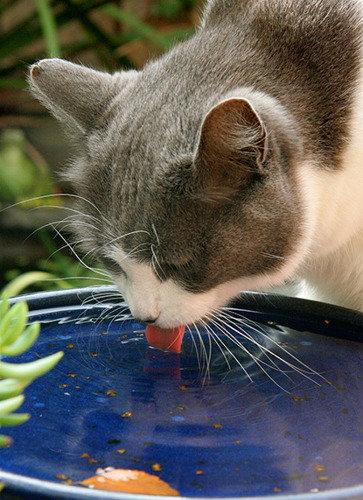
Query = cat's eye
x=180 y=262
x=111 y=265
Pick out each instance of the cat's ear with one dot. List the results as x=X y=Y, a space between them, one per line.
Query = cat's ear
x=232 y=147
x=75 y=94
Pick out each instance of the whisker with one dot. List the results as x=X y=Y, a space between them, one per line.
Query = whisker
x=210 y=350
x=203 y=349
x=114 y=314
x=306 y=373
x=63 y=247
x=206 y=357
x=49 y=224
x=264 y=350
x=55 y=196
x=124 y=236
x=259 y=331
x=230 y=352
x=153 y=260
x=258 y=362
x=106 y=224
x=100 y=299
x=195 y=346
x=272 y=256
x=156 y=234
x=214 y=336
x=224 y=320
x=78 y=258
x=135 y=251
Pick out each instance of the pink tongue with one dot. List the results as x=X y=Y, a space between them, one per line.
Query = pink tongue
x=168 y=339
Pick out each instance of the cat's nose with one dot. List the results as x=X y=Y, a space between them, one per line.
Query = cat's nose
x=148 y=321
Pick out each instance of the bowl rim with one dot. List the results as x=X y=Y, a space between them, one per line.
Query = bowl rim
x=335 y=317
x=16 y=484
x=263 y=301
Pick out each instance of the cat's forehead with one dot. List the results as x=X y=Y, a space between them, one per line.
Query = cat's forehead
x=151 y=220
x=157 y=225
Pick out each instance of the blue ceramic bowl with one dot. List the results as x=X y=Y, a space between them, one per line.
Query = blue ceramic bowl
x=267 y=403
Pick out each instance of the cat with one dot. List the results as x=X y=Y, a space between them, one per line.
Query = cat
x=233 y=162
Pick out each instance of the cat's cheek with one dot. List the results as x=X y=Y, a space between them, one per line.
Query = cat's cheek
x=120 y=283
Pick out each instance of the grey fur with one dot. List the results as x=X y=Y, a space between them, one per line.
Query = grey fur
x=275 y=80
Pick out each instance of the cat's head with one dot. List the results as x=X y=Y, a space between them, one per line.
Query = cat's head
x=188 y=195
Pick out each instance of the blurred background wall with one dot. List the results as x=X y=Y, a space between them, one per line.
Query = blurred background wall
x=107 y=35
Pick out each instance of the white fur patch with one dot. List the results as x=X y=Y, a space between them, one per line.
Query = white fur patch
x=334 y=268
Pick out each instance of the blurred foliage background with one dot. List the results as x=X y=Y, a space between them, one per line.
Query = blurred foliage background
x=107 y=35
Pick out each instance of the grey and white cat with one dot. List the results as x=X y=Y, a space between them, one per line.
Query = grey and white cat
x=233 y=162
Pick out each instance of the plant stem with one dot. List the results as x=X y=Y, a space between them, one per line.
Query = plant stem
x=49 y=27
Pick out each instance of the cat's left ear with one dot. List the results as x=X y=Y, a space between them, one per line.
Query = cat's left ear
x=232 y=147
x=75 y=94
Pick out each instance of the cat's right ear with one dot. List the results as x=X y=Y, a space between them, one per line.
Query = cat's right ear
x=232 y=149
x=75 y=94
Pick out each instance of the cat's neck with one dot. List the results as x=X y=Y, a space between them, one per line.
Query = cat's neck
x=334 y=263
x=338 y=276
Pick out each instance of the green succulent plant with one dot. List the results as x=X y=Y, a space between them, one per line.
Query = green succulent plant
x=16 y=338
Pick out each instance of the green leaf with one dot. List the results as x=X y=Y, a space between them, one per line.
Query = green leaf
x=10 y=405
x=24 y=280
x=142 y=29
x=10 y=388
x=29 y=371
x=5 y=442
x=49 y=28
x=13 y=323
x=23 y=342
x=13 y=419
x=167 y=8
x=4 y=305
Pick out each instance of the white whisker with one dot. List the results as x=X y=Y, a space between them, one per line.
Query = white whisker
x=258 y=362
x=139 y=231
x=156 y=234
x=232 y=354
x=78 y=258
x=272 y=256
x=206 y=356
x=195 y=346
x=153 y=260
x=213 y=335
x=259 y=331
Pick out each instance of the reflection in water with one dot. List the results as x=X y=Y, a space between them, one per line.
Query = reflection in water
x=162 y=364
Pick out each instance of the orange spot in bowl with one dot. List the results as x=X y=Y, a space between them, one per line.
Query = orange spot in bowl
x=130 y=481
x=111 y=392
